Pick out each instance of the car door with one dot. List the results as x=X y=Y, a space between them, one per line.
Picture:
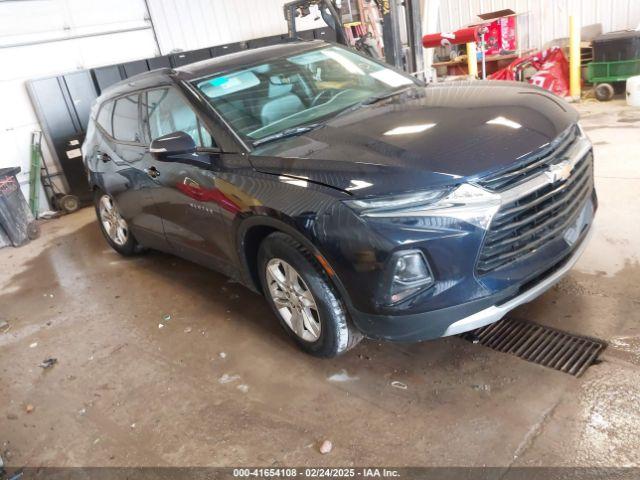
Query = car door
x=188 y=198
x=135 y=201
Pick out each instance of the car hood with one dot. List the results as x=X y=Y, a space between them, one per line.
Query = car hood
x=438 y=135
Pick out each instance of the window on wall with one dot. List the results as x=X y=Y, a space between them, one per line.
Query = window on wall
x=125 y=119
x=104 y=117
x=168 y=112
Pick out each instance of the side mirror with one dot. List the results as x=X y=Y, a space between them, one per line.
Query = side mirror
x=176 y=143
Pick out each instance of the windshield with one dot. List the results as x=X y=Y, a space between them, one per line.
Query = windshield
x=285 y=93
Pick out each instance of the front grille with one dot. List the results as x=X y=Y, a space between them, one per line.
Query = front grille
x=520 y=227
x=534 y=164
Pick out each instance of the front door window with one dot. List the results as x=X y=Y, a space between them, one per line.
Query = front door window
x=168 y=113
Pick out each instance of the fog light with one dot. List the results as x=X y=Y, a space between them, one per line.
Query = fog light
x=410 y=273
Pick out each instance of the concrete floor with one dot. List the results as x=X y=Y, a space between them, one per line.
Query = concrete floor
x=220 y=384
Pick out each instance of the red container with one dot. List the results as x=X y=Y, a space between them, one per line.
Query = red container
x=501 y=37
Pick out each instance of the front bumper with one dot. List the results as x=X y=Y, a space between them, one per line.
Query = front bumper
x=468 y=316
x=454 y=238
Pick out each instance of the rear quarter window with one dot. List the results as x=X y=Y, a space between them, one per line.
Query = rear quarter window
x=125 y=119
x=104 y=117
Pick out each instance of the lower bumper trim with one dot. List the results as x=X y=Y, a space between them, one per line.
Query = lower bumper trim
x=496 y=312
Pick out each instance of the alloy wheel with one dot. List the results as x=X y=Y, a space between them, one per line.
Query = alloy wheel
x=293 y=300
x=113 y=223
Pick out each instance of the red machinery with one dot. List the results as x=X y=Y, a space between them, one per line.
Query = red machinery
x=495 y=36
x=464 y=35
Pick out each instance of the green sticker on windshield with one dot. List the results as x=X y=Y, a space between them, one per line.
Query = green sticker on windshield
x=216 y=82
x=228 y=84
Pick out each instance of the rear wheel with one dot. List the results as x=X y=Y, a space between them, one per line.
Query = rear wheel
x=303 y=299
x=114 y=228
x=604 y=92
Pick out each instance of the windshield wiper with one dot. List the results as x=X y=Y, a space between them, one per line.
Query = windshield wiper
x=375 y=99
x=383 y=96
x=287 y=132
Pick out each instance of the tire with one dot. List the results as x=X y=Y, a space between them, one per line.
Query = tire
x=125 y=245
x=69 y=203
x=336 y=335
x=33 y=230
x=604 y=92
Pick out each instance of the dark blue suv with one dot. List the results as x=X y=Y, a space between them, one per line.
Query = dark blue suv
x=359 y=201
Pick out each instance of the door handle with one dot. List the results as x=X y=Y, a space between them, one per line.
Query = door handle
x=152 y=172
x=103 y=157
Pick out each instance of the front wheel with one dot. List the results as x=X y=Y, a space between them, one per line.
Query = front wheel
x=114 y=228
x=302 y=298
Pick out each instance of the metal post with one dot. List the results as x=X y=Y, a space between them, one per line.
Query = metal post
x=414 y=34
x=472 y=60
x=391 y=34
x=482 y=31
x=574 y=58
x=34 y=172
x=336 y=13
x=430 y=14
x=293 y=33
x=153 y=27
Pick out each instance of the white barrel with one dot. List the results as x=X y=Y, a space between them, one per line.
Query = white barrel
x=633 y=91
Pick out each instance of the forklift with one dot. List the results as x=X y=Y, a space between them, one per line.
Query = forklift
x=337 y=15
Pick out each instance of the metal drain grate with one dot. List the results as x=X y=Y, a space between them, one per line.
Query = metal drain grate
x=539 y=344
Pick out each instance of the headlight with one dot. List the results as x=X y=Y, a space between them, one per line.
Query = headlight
x=408 y=273
x=384 y=206
x=465 y=202
x=583 y=134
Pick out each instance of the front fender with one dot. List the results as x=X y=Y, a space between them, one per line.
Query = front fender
x=261 y=223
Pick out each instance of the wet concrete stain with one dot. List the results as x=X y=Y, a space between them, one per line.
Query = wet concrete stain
x=98 y=314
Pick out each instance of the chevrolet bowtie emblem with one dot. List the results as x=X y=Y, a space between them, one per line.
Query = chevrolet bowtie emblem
x=559 y=171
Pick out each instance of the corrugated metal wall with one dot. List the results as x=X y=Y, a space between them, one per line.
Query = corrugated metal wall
x=543 y=20
x=192 y=24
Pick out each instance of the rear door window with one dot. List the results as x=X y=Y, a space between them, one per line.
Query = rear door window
x=125 y=119
x=104 y=117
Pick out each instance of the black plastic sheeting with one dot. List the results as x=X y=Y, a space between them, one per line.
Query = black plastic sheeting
x=15 y=216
